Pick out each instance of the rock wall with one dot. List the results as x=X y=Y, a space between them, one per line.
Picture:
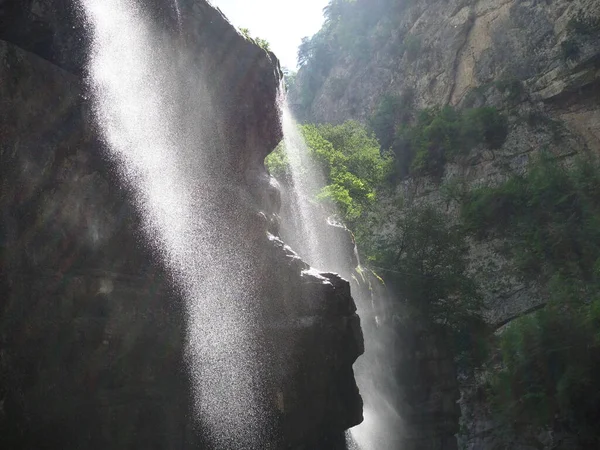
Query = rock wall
x=92 y=328
x=462 y=45
x=409 y=368
x=528 y=58
x=506 y=54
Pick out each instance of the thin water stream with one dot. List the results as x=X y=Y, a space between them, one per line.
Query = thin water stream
x=305 y=227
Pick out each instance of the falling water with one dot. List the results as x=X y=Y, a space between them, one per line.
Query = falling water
x=306 y=228
x=299 y=227
x=159 y=135
x=178 y=13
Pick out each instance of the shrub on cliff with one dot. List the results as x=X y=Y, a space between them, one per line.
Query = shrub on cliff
x=262 y=43
x=549 y=218
x=278 y=165
x=353 y=166
x=551 y=215
x=392 y=112
x=349 y=29
x=551 y=364
x=441 y=135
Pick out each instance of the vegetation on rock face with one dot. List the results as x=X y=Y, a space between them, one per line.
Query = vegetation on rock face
x=347 y=29
x=550 y=218
x=437 y=136
x=351 y=162
x=546 y=217
x=579 y=29
x=262 y=43
x=550 y=368
x=425 y=261
x=551 y=214
x=393 y=111
x=289 y=78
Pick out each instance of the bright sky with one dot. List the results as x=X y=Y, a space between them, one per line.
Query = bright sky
x=283 y=23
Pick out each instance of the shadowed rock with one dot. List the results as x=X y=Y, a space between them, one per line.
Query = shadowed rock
x=92 y=329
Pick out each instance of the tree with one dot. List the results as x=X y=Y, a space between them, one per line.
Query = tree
x=262 y=43
x=350 y=159
x=353 y=166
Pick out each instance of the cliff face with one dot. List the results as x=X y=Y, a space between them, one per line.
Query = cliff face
x=443 y=49
x=92 y=328
x=509 y=55
x=528 y=59
x=537 y=62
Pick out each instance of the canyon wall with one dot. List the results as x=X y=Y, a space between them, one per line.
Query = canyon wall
x=535 y=61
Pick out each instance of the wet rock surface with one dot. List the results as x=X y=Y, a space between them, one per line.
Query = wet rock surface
x=92 y=329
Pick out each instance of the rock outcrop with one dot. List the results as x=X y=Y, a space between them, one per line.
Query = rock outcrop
x=92 y=328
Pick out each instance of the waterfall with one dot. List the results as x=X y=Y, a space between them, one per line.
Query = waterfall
x=300 y=230
x=154 y=111
x=178 y=13
x=305 y=226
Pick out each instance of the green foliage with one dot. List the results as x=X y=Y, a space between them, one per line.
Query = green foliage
x=392 y=111
x=278 y=164
x=550 y=213
x=485 y=125
x=425 y=261
x=347 y=31
x=537 y=119
x=315 y=57
x=246 y=33
x=289 y=78
x=353 y=166
x=440 y=135
x=550 y=219
x=262 y=43
x=551 y=364
x=350 y=160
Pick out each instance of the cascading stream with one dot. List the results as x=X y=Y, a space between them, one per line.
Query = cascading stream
x=141 y=77
x=304 y=226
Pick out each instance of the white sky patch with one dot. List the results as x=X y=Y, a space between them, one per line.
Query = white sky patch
x=283 y=23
